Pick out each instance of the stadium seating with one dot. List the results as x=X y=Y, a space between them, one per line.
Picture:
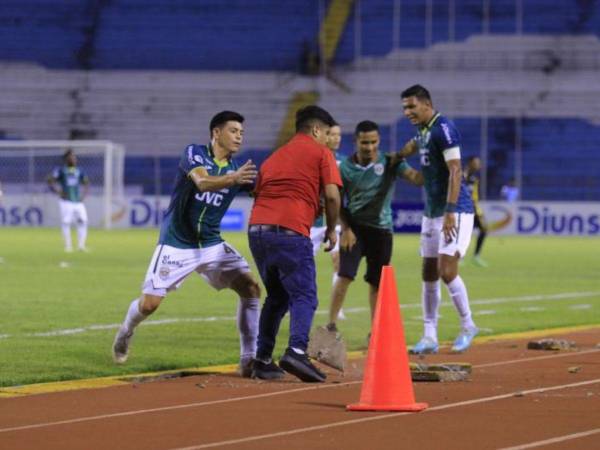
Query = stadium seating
x=183 y=65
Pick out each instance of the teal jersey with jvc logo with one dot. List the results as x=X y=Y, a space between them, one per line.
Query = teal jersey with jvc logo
x=439 y=136
x=368 y=190
x=193 y=218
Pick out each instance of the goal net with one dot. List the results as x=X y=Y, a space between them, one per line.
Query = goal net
x=26 y=165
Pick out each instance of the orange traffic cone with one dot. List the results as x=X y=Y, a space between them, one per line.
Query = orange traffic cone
x=387 y=385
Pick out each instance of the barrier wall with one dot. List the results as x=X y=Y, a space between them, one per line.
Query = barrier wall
x=521 y=218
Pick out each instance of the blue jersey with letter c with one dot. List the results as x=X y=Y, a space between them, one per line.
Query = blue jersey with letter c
x=433 y=139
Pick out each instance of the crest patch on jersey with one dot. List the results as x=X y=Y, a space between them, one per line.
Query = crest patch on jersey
x=378 y=169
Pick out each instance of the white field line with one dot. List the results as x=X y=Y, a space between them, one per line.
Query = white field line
x=583 y=306
x=566 y=437
x=489 y=301
x=384 y=416
x=268 y=394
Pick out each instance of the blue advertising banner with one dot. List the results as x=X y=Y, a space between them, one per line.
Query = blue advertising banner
x=407 y=217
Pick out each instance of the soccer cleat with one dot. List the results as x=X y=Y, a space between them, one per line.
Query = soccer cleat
x=425 y=346
x=300 y=366
x=266 y=371
x=464 y=339
x=121 y=346
x=331 y=326
x=245 y=367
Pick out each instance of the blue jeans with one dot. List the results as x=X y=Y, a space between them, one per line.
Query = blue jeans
x=287 y=268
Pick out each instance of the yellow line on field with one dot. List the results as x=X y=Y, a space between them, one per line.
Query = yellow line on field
x=119 y=380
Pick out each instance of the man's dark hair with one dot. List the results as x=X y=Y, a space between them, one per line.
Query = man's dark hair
x=223 y=117
x=365 y=126
x=67 y=153
x=416 y=91
x=307 y=116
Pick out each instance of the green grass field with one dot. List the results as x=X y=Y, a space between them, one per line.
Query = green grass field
x=60 y=311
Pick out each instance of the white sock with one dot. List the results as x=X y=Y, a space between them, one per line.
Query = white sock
x=81 y=234
x=66 y=232
x=431 y=299
x=134 y=316
x=458 y=293
x=248 y=313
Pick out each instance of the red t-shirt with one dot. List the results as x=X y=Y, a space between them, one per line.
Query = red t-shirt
x=290 y=183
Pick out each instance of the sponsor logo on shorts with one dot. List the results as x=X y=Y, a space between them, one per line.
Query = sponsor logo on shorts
x=166 y=261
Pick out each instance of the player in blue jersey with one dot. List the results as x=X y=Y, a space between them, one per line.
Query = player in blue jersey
x=190 y=241
x=71 y=185
x=448 y=218
x=318 y=230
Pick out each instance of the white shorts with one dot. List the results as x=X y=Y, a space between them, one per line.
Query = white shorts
x=432 y=237
x=317 y=235
x=71 y=212
x=218 y=264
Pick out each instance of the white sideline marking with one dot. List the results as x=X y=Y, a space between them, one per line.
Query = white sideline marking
x=484 y=312
x=566 y=437
x=532 y=308
x=386 y=416
x=268 y=394
x=584 y=306
x=490 y=301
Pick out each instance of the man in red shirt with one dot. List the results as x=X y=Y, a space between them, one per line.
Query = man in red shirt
x=287 y=201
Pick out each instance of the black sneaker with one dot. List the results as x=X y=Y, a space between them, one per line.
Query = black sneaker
x=266 y=371
x=299 y=365
x=331 y=326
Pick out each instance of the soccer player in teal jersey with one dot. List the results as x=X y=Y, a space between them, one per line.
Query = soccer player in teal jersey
x=317 y=231
x=448 y=218
x=190 y=240
x=367 y=230
x=66 y=182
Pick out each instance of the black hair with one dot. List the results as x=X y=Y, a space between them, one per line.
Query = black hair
x=365 y=126
x=416 y=91
x=223 y=117
x=471 y=158
x=67 y=153
x=305 y=117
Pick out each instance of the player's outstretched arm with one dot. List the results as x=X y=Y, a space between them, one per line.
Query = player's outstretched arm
x=409 y=149
x=414 y=177
x=246 y=174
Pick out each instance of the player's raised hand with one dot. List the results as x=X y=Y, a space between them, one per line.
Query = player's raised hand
x=246 y=173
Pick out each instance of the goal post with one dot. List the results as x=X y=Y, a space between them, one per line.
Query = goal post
x=25 y=166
